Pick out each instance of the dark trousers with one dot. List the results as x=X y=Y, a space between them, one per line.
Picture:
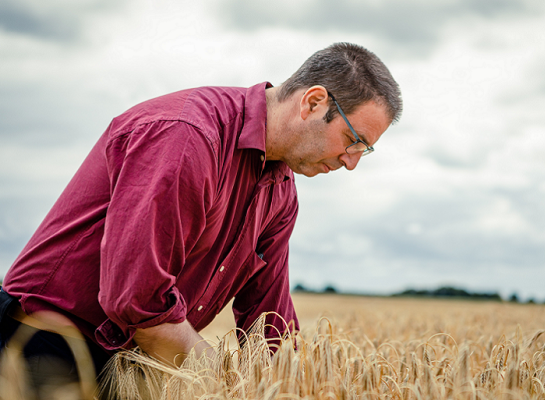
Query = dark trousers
x=49 y=358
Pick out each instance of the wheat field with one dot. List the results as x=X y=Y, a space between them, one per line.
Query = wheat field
x=354 y=347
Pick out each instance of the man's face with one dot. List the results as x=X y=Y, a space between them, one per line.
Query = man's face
x=321 y=146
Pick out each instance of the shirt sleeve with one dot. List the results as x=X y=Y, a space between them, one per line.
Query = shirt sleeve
x=269 y=290
x=163 y=178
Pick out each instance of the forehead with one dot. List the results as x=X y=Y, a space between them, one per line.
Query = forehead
x=369 y=120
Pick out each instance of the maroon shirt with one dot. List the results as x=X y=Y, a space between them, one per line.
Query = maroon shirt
x=173 y=213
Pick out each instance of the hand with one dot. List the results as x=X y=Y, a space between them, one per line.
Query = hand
x=171 y=343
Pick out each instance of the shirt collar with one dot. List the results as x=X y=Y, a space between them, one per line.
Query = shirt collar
x=254 y=130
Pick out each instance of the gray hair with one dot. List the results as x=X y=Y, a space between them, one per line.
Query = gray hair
x=352 y=74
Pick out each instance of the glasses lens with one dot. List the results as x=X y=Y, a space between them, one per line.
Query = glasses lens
x=358 y=147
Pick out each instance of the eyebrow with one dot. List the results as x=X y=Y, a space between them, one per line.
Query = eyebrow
x=359 y=135
x=362 y=138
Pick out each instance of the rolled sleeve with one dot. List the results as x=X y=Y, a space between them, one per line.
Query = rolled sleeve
x=269 y=291
x=112 y=336
x=162 y=180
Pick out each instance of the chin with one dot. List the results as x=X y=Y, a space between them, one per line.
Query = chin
x=309 y=174
x=305 y=169
x=306 y=173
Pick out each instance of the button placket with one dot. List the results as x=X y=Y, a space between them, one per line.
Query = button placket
x=218 y=278
x=246 y=224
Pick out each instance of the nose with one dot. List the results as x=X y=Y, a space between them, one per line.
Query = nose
x=350 y=161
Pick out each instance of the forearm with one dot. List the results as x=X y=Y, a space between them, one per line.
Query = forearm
x=171 y=342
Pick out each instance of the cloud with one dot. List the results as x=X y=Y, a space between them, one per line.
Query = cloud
x=471 y=228
x=18 y=17
x=54 y=20
x=51 y=115
x=527 y=90
x=417 y=24
x=489 y=239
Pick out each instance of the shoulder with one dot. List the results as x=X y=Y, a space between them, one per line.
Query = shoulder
x=205 y=111
x=212 y=108
x=207 y=108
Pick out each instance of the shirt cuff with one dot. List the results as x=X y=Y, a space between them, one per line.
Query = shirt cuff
x=112 y=337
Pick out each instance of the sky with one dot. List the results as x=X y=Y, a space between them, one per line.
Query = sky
x=452 y=195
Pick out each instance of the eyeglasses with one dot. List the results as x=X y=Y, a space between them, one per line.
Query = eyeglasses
x=359 y=146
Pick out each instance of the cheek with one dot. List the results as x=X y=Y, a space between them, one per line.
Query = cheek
x=316 y=143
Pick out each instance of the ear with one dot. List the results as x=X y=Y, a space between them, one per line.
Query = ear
x=314 y=102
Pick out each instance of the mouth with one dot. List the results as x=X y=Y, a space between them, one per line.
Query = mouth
x=326 y=168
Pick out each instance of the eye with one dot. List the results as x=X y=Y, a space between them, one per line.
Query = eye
x=350 y=136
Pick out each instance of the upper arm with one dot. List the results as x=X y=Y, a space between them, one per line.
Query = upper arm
x=163 y=179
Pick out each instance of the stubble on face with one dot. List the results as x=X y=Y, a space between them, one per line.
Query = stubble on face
x=309 y=146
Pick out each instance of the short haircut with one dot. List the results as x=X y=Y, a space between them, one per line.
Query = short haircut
x=352 y=74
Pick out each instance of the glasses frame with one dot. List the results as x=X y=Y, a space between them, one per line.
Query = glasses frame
x=368 y=149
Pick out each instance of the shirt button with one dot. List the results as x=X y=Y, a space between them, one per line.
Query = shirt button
x=262 y=157
x=200 y=308
x=222 y=268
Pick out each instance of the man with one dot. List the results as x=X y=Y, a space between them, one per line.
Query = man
x=188 y=200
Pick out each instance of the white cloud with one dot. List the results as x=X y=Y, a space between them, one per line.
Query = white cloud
x=411 y=28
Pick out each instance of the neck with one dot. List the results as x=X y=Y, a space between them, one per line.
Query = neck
x=272 y=123
x=277 y=115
